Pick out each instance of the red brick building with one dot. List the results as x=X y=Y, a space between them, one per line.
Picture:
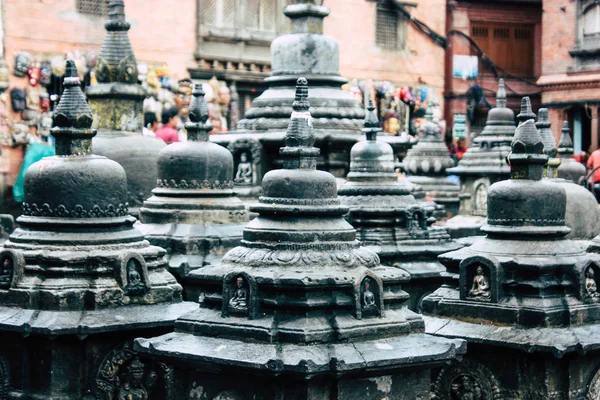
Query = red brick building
x=510 y=34
x=570 y=79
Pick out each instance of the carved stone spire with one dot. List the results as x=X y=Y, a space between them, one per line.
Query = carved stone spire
x=372 y=127
x=116 y=62
x=543 y=125
x=73 y=118
x=199 y=126
x=526 y=111
x=565 y=144
x=306 y=15
x=501 y=94
x=527 y=157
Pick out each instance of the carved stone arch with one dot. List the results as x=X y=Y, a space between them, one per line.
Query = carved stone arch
x=492 y=271
x=230 y=282
x=466 y=377
x=256 y=151
x=12 y=266
x=581 y=281
x=359 y=291
x=128 y=260
x=593 y=387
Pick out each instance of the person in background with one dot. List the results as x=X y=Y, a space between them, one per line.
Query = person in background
x=593 y=164
x=168 y=131
x=150 y=124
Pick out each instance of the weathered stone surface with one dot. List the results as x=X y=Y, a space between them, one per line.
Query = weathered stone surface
x=483 y=164
x=387 y=217
x=337 y=115
x=300 y=306
x=77 y=281
x=193 y=212
x=117 y=104
x=426 y=164
x=523 y=295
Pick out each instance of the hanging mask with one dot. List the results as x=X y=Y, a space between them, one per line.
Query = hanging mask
x=22 y=60
x=34 y=73
x=44 y=102
x=45 y=124
x=17 y=99
x=20 y=133
x=45 y=73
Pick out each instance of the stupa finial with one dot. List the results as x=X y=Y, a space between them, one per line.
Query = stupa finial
x=116 y=62
x=565 y=141
x=371 y=127
x=501 y=94
x=543 y=124
x=199 y=126
x=526 y=111
x=73 y=117
x=527 y=157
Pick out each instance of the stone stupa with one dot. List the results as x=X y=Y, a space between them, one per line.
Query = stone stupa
x=483 y=164
x=426 y=165
x=524 y=297
x=337 y=115
x=300 y=310
x=117 y=102
x=569 y=168
x=193 y=212
x=77 y=282
x=387 y=217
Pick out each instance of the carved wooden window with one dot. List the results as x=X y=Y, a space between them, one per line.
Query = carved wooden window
x=591 y=20
x=389 y=28
x=509 y=46
x=219 y=13
x=260 y=15
x=92 y=7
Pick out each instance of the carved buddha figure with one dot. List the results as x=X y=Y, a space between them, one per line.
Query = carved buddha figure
x=368 y=299
x=239 y=300
x=481 y=200
x=481 y=285
x=135 y=285
x=244 y=172
x=133 y=388
x=6 y=272
x=591 y=289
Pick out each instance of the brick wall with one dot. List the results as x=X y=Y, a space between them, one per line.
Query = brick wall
x=158 y=33
x=558 y=36
x=352 y=23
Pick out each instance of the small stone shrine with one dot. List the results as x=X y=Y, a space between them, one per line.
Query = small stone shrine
x=193 y=213
x=300 y=310
x=483 y=164
x=117 y=102
x=569 y=168
x=387 y=217
x=77 y=282
x=337 y=115
x=524 y=297
x=426 y=165
x=582 y=215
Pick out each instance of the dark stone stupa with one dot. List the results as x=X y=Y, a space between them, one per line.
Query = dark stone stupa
x=337 y=115
x=426 y=165
x=483 y=164
x=193 y=212
x=569 y=168
x=387 y=217
x=77 y=282
x=300 y=310
x=117 y=101
x=524 y=297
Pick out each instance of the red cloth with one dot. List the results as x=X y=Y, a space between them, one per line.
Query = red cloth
x=594 y=162
x=167 y=134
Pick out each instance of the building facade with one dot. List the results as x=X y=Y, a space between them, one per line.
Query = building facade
x=570 y=78
x=509 y=35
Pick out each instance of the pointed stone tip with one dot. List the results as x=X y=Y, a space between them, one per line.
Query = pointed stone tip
x=501 y=94
x=526 y=111
x=565 y=127
x=198 y=107
x=70 y=69
x=198 y=90
x=542 y=114
x=527 y=139
x=371 y=121
x=301 y=101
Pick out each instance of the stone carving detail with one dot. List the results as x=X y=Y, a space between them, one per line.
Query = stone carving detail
x=481 y=200
x=480 y=289
x=193 y=184
x=134 y=283
x=245 y=170
x=7 y=269
x=251 y=167
x=467 y=380
x=262 y=257
x=238 y=302
x=61 y=211
x=369 y=294
x=591 y=287
x=122 y=376
x=593 y=389
x=228 y=395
